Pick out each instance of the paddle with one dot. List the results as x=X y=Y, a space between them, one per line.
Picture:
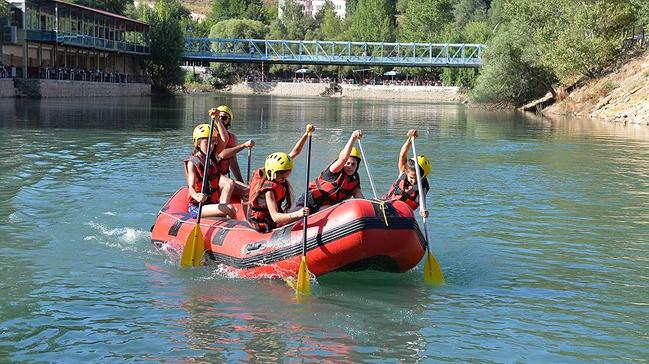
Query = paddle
x=195 y=245
x=432 y=271
x=249 y=157
x=367 y=168
x=303 y=281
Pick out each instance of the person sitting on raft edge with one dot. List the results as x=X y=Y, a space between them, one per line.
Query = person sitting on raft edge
x=405 y=187
x=337 y=182
x=228 y=159
x=217 y=194
x=270 y=192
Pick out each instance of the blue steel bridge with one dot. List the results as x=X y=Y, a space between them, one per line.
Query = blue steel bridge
x=316 y=52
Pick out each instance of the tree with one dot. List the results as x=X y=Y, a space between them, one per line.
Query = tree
x=166 y=42
x=425 y=21
x=329 y=25
x=5 y=10
x=236 y=28
x=113 y=6
x=372 y=21
x=466 y=11
x=572 y=39
x=293 y=24
x=642 y=10
x=506 y=76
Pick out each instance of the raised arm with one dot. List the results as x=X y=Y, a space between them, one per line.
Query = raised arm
x=403 y=154
x=297 y=149
x=338 y=165
x=224 y=136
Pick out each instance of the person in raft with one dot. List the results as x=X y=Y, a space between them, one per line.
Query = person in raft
x=337 y=182
x=228 y=158
x=405 y=187
x=219 y=189
x=270 y=192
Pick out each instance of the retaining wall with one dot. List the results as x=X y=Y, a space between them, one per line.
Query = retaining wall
x=381 y=92
x=61 y=88
x=7 y=87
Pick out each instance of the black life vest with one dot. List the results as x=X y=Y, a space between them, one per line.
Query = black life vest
x=213 y=176
x=403 y=190
x=258 y=214
x=326 y=192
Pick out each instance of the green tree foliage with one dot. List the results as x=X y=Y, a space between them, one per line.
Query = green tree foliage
x=4 y=8
x=236 y=28
x=571 y=38
x=466 y=11
x=425 y=20
x=642 y=10
x=239 y=28
x=166 y=42
x=372 y=21
x=113 y=6
x=506 y=76
x=329 y=25
x=293 y=24
x=241 y=9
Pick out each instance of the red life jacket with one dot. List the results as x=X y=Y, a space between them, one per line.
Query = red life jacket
x=224 y=164
x=326 y=192
x=403 y=190
x=213 y=176
x=258 y=214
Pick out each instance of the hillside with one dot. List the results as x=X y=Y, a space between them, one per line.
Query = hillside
x=622 y=95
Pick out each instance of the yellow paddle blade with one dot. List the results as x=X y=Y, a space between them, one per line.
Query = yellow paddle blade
x=194 y=249
x=303 y=281
x=432 y=271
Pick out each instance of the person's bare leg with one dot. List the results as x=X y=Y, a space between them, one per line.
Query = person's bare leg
x=227 y=187
x=219 y=210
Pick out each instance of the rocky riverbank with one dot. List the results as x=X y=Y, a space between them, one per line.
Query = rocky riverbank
x=621 y=95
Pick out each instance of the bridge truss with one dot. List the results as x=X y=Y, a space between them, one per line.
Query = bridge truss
x=317 y=52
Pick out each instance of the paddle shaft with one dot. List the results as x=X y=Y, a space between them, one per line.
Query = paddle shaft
x=422 y=193
x=306 y=194
x=367 y=168
x=204 y=188
x=249 y=157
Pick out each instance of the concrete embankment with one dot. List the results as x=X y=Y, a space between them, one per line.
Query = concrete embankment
x=36 y=88
x=7 y=88
x=380 y=92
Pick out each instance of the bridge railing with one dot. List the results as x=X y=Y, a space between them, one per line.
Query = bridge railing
x=333 y=52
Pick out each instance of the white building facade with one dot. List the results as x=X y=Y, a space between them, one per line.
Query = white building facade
x=312 y=7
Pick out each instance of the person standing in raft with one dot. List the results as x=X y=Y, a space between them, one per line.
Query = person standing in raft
x=227 y=161
x=270 y=192
x=405 y=187
x=337 y=182
x=215 y=197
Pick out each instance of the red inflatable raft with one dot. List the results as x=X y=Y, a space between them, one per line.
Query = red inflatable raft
x=356 y=234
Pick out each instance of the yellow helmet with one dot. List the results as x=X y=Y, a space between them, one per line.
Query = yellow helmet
x=356 y=153
x=277 y=162
x=222 y=108
x=203 y=131
x=424 y=163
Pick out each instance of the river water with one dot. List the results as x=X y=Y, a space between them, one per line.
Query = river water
x=541 y=227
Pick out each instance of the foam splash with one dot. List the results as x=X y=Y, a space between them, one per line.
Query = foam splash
x=126 y=236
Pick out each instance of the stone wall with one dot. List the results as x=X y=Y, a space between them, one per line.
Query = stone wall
x=59 y=88
x=280 y=88
x=7 y=87
x=380 y=92
x=404 y=93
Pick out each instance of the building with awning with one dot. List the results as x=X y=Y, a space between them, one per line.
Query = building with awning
x=55 y=39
